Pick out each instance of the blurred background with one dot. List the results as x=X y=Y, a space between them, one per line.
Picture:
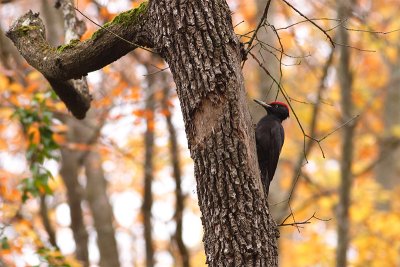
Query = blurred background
x=117 y=189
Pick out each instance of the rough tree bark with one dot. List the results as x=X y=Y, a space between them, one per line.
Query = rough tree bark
x=345 y=81
x=197 y=40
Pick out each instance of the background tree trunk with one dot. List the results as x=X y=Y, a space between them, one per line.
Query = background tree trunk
x=387 y=171
x=69 y=174
x=44 y=214
x=176 y=167
x=345 y=81
x=149 y=168
x=96 y=190
x=53 y=19
x=85 y=133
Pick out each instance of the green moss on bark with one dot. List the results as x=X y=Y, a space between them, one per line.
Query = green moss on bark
x=125 y=18
x=71 y=44
x=23 y=30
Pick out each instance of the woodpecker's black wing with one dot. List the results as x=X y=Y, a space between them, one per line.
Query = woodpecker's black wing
x=269 y=140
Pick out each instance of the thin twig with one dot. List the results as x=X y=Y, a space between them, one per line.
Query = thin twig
x=312 y=22
x=341 y=22
x=294 y=220
x=156 y=72
x=372 y=31
x=356 y=48
x=262 y=46
x=280 y=59
x=260 y=23
x=319 y=140
x=303 y=21
x=238 y=24
x=339 y=127
x=280 y=51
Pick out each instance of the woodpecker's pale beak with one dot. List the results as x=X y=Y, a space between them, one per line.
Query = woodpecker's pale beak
x=262 y=103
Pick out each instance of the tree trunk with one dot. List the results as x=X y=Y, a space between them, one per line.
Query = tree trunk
x=388 y=167
x=149 y=169
x=53 y=19
x=69 y=174
x=44 y=214
x=345 y=81
x=203 y=54
x=176 y=166
x=96 y=190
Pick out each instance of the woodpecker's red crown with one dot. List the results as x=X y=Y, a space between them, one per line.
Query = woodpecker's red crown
x=280 y=104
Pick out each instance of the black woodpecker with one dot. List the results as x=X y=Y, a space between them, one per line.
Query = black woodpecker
x=270 y=136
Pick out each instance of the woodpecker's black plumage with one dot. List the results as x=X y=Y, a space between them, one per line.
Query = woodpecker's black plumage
x=270 y=136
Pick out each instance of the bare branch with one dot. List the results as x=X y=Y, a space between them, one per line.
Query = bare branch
x=76 y=59
x=307 y=221
x=311 y=21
